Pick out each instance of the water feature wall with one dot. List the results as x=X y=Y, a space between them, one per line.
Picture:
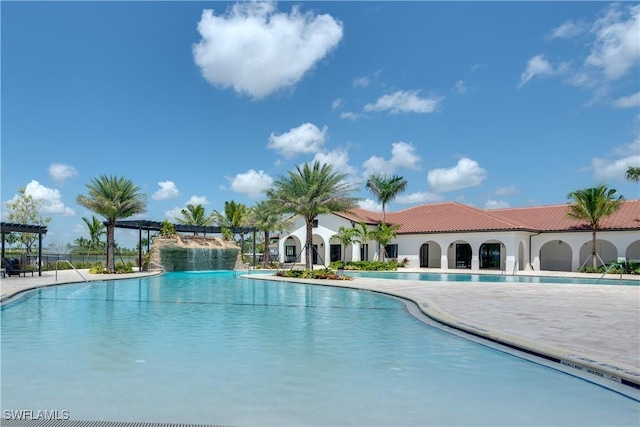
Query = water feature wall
x=195 y=253
x=197 y=259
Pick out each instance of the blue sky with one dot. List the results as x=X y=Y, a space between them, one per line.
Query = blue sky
x=491 y=104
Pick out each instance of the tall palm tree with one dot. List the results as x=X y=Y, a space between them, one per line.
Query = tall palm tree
x=346 y=236
x=592 y=205
x=384 y=235
x=113 y=198
x=235 y=216
x=633 y=174
x=195 y=215
x=96 y=231
x=267 y=217
x=362 y=235
x=386 y=188
x=312 y=190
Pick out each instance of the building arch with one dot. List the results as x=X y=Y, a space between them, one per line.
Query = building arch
x=491 y=255
x=430 y=254
x=555 y=255
x=632 y=253
x=460 y=254
x=606 y=251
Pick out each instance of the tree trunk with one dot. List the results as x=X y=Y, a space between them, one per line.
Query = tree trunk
x=111 y=265
x=266 y=256
x=309 y=245
x=594 y=261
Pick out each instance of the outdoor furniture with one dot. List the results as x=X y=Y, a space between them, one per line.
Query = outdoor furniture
x=12 y=267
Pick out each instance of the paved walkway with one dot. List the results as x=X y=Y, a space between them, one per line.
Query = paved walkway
x=594 y=328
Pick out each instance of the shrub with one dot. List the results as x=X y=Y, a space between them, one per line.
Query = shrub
x=392 y=265
x=325 y=273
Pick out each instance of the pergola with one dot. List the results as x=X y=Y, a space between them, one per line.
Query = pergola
x=148 y=226
x=8 y=227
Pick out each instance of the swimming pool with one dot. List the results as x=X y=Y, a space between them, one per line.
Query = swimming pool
x=216 y=349
x=491 y=278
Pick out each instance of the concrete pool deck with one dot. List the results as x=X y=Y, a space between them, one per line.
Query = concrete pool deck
x=592 y=328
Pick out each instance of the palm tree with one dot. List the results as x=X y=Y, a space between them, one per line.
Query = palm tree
x=386 y=188
x=96 y=231
x=592 y=205
x=362 y=234
x=267 y=217
x=346 y=236
x=310 y=191
x=384 y=235
x=195 y=215
x=235 y=216
x=633 y=174
x=113 y=198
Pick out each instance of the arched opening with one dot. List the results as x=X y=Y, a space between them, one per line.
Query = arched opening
x=633 y=252
x=605 y=250
x=490 y=256
x=555 y=256
x=459 y=254
x=430 y=255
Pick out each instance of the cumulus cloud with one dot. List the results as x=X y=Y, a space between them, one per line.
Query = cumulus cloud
x=616 y=49
x=370 y=205
x=52 y=203
x=60 y=172
x=257 y=50
x=403 y=155
x=176 y=212
x=405 y=102
x=630 y=101
x=417 y=198
x=496 y=204
x=567 y=30
x=167 y=191
x=506 y=191
x=252 y=183
x=460 y=88
x=539 y=66
x=466 y=173
x=349 y=115
x=338 y=158
x=615 y=166
x=306 y=138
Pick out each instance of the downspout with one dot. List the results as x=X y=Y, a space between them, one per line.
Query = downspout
x=530 y=236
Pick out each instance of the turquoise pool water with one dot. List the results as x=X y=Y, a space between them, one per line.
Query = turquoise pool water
x=211 y=348
x=493 y=278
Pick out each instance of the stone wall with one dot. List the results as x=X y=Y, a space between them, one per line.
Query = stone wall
x=194 y=253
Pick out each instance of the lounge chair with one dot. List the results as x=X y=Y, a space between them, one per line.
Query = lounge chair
x=12 y=267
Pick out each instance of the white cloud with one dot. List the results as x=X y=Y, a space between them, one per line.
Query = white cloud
x=197 y=200
x=417 y=198
x=351 y=116
x=506 y=191
x=403 y=155
x=466 y=173
x=616 y=49
x=496 y=204
x=539 y=66
x=167 y=190
x=60 y=172
x=615 y=169
x=336 y=103
x=257 y=50
x=338 y=158
x=630 y=101
x=361 y=82
x=173 y=214
x=52 y=203
x=176 y=212
x=460 y=88
x=567 y=30
x=405 y=102
x=370 y=205
x=306 y=138
x=251 y=183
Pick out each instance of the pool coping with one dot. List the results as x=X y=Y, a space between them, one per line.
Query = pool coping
x=618 y=373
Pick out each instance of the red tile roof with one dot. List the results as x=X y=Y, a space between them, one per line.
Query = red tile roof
x=456 y=217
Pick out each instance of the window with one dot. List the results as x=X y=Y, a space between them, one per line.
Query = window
x=315 y=223
x=290 y=253
x=392 y=251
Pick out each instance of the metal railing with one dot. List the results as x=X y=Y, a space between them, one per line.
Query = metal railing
x=72 y=266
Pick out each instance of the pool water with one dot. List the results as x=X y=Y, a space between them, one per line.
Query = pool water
x=211 y=348
x=492 y=278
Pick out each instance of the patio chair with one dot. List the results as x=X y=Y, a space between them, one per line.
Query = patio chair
x=12 y=267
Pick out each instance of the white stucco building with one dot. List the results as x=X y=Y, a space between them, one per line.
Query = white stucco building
x=452 y=235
